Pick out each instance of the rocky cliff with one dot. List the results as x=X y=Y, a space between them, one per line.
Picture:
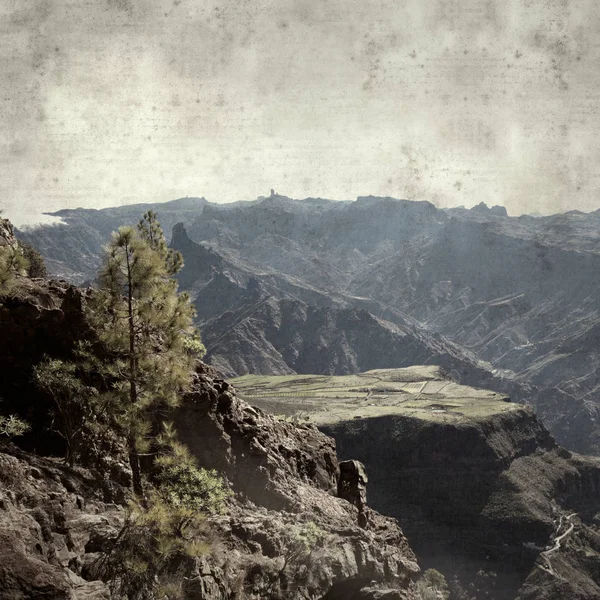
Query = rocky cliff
x=7 y=233
x=491 y=495
x=42 y=318
x=56 y=522
x=481 y=488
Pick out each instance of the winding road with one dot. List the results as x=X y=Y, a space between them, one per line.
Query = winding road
x=545 y=555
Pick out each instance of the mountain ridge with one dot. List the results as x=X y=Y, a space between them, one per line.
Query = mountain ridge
x=505 y=292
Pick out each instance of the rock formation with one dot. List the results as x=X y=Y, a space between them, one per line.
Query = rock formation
x=481 y=488
x=55 y=521
x=285 y=533
x=7 y=234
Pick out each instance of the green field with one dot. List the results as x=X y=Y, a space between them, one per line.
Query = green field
x=420 y=392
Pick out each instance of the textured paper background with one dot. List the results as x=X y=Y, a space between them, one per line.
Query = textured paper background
x=454 y=101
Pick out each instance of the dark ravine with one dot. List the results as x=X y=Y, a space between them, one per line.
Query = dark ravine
x=479 y=485
x=485 y=496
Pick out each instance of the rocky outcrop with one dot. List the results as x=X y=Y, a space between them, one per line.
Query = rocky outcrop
x=285 y=476
x=488 y=495
x=45 y=318
x=7 y=234
x=49 y=517
x=285 y=533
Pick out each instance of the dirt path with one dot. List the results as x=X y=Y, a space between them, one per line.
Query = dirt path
x=545 y=555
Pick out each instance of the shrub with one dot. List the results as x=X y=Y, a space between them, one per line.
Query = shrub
x=153 y=538
x=37 y=265
x=167 y=528
x=181 y=483
x=432 y=586
x=12 y=265
x=12 y=426
x=75 y=404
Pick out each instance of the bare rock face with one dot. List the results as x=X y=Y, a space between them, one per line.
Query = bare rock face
x=7 y=234
x=48 y=514
x=285 y=479
x=44 y=318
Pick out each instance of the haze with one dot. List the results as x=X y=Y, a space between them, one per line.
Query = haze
x=106 y=102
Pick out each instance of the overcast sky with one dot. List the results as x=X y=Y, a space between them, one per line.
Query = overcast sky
x=106 y=102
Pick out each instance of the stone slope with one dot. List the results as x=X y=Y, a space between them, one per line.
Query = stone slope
x=293 y=336
x=284 y=475
x=48 y=514
x=478 y=484
x=54 y=521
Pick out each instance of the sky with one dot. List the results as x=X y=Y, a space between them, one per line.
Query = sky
x=110 y=102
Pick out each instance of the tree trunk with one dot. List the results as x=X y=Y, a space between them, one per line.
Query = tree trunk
x=134 y=457
x=134 y=463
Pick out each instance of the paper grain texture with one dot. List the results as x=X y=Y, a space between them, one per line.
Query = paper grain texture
x=106 y=102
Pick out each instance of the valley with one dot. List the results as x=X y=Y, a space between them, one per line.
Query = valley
x=326 y=367
x=480 y=487
x=285 y=286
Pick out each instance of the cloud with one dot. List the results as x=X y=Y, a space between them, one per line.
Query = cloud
x=118 y=101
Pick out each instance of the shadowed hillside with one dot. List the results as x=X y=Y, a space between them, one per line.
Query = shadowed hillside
x=518 y=297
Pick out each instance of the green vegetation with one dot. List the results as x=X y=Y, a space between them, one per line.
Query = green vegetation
x=432 y=586
x=153 y=536
x=168 y=526
x=76 y=405
x=181 y=483
x=12 y=266
x=12 y=426
x=301 y=542
x=17 y=259
x=278 y=577
x=419 y=392
x=145 y=352
x=147 y=331
x=36 y=265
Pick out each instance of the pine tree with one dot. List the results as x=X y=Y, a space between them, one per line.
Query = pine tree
x=147 y=330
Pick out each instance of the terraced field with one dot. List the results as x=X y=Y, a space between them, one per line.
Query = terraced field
x=421 y=392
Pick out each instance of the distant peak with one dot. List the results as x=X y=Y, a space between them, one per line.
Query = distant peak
x=179 y=234
x=274 y=196
x=189 y=202
x=498 y=210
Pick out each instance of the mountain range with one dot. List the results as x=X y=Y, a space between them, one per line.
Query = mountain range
x=287 y=286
